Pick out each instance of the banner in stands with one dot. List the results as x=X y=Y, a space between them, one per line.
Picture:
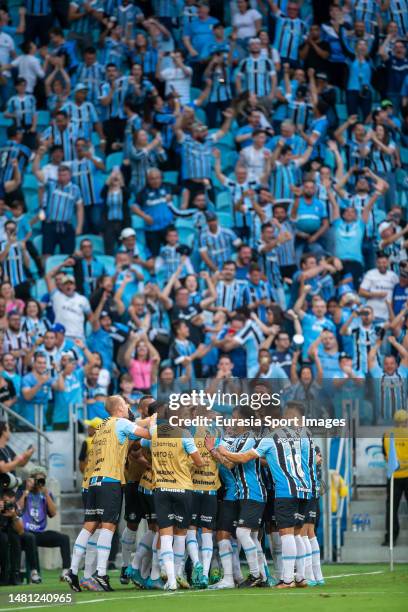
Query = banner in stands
x=370 y=462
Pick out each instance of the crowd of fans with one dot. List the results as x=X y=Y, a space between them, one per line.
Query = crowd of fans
x=193 y=192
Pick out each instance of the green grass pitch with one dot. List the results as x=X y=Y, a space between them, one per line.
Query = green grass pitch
x=348 y=587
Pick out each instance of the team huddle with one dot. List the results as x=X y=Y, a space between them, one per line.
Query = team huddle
x=209 y=497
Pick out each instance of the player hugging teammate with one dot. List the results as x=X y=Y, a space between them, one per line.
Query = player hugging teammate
x=205 y=495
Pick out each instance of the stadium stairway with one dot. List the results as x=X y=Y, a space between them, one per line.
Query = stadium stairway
x=72 y=514
x=365 y=546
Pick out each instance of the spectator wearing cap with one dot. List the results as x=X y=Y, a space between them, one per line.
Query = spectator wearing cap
x=217 y=244
x=71 y=309
x=22 y=109
x=116 y=214
x=400 y=432
x=377 y=287
x=83 y=115
x=315 y=51
x=63 y=200
x=139 y=254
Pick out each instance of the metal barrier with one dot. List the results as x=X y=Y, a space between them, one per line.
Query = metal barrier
x=32 y=435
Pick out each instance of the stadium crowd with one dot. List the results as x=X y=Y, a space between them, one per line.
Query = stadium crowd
x=196 y=191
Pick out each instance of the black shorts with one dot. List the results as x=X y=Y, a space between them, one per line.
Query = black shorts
x=104 y=502
x=227 y=516
x=147 y=507
x=204 y=510
x=290 y=512
x=311 y=511
x=84 y=495
x=250 y=513
x=269 y=512
x=173 y=507
x=133 y=506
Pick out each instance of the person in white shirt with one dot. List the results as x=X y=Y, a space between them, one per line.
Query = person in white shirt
x=7 y=53
x=29 y=66
x=254 y=157
x=177 y=78
x=247 y=21
x=71 y=309
x=377 y=287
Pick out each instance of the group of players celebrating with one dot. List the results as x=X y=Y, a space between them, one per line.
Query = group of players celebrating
x=207 y=496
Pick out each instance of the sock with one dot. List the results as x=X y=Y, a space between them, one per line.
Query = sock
x=308 y=559
x=91 y=555
x=317 y=572
x=143 y=548
x=166 y=550
x=225 y=548
x=300 y=558
x=179 y=548
x=103 y=549
x=236 y=564
x=192 y=546
x=249 y=548
x=206 y=551
x=276 y=549
x=79 y=549
x=288 y=557
x=259 y=554
x=155 y=571
x=146 y=565
x=128 y=541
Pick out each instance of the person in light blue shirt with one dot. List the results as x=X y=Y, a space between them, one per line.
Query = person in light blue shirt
x=314 y=322
x=68 y=392
x=310 y=217
x=198 y=35
x=36 y=390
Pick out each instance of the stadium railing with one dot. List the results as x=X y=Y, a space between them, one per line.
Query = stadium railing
x=32 y=435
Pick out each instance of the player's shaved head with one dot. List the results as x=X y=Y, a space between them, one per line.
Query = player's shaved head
x=116 y=406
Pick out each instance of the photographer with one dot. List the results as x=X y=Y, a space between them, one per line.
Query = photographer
x=9 y=461
x=11 y=528
x=36 y=503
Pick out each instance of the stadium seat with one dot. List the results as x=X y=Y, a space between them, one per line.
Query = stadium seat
x=171 y=177
x=31 y=201
x=37 y=242
x=40 y=288
x=114 y=159
x=342 y=112
x=404 y=156
x=200 y=115
x=195 y=93
x=30 y=182
x=108 y=262
x=44 y=119
x=228 y=159
x=55 y=260
x=224 y=219
x=223 y=202
x=97 y=242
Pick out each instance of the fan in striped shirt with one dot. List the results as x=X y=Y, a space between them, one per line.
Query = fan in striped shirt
x=290 y=32
x=82 y=114
x=230 y=292
x=268 y=260
x=92 y=74
x=256 y=73
x=22 y=108
x=216 y=243
x=13 y=256
x=16 y=341
x=61 y=132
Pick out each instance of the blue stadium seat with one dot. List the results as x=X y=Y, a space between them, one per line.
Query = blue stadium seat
x=200 y=115
x=342 y=112
x=55 y=260
x=108 y=262
x=44 y=119
x=97 y=243
x=171 y=176
x=40 y=288
x=30 y=182
x=32 y=202
x=223 y=202
x=404 y=156
x=4 y=121
x=224 y=219
x=37 y=242
x=114 y=159
x=228 y=159
x=195 y=92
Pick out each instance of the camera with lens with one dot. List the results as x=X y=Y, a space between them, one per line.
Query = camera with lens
x=183 y=249
x=39 y=482
x=9 y=505
x=9 y=481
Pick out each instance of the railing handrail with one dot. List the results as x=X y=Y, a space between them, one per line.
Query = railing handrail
x=32 y=427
